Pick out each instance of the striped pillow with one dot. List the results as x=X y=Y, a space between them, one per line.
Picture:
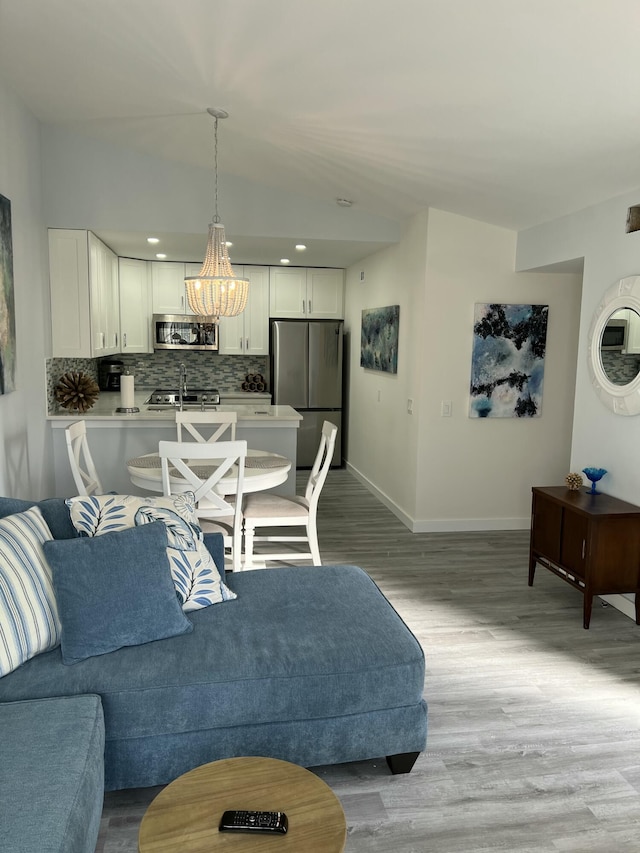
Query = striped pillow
x=29 y=621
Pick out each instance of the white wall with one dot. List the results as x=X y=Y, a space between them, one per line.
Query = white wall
x=25 y=461
x=600 y=438
x=456 y=473
x=478 y=473
x=381 y=439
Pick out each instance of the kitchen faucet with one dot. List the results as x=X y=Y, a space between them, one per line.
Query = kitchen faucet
x=182 y=385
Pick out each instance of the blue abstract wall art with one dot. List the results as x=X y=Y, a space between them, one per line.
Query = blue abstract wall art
x=7 y=307
x=507 y=363
x=379 y=338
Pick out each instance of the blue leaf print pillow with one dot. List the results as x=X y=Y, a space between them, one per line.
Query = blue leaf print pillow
x=181 y=534
x=195 y=575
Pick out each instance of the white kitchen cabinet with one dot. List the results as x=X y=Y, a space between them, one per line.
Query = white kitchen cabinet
x=308 y=294
x=167 y=285
x=248 y=332
x=287 y=292
x=69 y=287
x=104 y=298
x=633 y=334
x=325 y=294
x=83 y=279
x=135 y=306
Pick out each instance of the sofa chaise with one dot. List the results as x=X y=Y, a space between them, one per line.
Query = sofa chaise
x=51 y=775
x=307 y=664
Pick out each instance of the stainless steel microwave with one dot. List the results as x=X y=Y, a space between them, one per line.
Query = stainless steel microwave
x=184 y=331
x=614 y=335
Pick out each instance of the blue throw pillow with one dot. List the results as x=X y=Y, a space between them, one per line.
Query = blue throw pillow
x=54 y=511
x=113 y=591
x=195 y=574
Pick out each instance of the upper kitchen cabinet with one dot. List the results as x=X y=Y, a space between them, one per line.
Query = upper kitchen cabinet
x=287 y=292
x=135 y=306
x=633 y=340
x=325 y=294
x=167 y=284
x=313 y=293
x=85 y=311
x=248 y=333
x=104 y=298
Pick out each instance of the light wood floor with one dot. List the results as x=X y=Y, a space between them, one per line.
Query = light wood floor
x=534 y=723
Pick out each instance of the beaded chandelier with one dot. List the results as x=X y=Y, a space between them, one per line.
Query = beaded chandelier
x=217 y=291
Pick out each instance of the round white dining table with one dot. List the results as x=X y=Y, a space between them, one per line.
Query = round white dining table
x=263 y=470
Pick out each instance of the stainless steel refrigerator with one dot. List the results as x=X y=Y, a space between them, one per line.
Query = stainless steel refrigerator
x=306 y=373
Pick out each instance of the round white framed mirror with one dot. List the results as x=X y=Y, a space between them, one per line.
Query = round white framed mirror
x=614 y=357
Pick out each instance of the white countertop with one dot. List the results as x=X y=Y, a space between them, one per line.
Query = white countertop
x=254 y=410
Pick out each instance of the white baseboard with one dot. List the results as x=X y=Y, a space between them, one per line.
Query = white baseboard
x=460 y=525
x=621 y=603
x=440 y=525
x=385 y=499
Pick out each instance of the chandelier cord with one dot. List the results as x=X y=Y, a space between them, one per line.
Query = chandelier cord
x=216 y=218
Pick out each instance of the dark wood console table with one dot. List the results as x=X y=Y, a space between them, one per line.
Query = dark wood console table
x=590 y=541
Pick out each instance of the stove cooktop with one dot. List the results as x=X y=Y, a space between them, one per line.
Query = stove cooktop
x=163 y=397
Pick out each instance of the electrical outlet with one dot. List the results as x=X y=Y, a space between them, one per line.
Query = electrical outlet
x=446 y=408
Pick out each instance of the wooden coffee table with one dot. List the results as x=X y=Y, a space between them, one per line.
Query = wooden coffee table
x=185 y=815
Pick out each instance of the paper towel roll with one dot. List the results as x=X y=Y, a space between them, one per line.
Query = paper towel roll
x=126 y=391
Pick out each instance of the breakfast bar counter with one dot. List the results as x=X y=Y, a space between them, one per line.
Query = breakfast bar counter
x=115 y=437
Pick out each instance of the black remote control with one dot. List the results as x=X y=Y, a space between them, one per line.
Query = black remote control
x=246 y=821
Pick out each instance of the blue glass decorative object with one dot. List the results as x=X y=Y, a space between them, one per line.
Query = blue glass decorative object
x=594 y=474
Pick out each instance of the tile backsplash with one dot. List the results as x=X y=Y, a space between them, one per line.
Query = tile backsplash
x=161 y=369
x=621 y=368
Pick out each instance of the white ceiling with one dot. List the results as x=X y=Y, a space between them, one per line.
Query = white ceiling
x=509 y=111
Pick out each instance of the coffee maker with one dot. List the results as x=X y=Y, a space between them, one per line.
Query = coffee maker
x=109 y=372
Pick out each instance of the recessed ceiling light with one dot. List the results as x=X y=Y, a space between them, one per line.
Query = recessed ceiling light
x=284 y=260
x=301 y=247
x=161 y=255
x=152 y=240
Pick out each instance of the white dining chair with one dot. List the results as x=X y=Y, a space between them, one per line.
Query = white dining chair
x=200 y=467
x=264 y=509
x=220 y=421
x=84 y=471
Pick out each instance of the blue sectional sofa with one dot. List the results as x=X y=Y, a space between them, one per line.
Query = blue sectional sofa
x=307 y=664
x=51 y=775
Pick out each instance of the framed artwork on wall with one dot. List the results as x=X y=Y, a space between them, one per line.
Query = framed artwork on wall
x=507 y=362
x=379 y=338
x=7 y=304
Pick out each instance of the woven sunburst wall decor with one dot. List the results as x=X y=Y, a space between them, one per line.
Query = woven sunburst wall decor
x=76 y=391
